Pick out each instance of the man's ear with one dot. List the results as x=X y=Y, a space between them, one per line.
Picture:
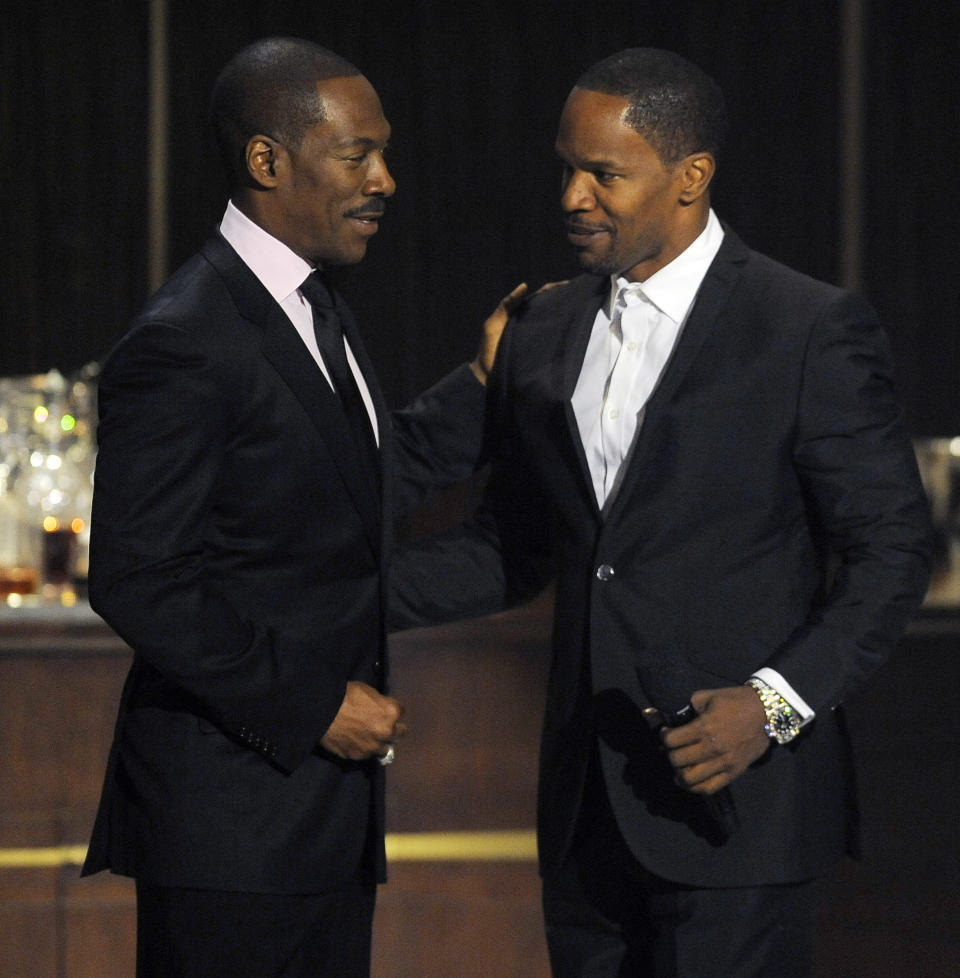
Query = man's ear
x=262 y=156
x=697 y=171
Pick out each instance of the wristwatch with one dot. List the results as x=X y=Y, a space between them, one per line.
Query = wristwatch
x=783 y=723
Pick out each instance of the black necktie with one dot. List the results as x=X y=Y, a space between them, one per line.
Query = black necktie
x=329 y=334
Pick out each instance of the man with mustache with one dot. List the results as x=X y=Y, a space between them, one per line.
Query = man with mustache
x=702 y=448
x=241 y=525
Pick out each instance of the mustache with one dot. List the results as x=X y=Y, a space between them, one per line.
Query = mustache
x=373 y=209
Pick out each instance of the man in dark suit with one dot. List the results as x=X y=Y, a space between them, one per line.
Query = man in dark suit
x=240 y=531
x=702 y=448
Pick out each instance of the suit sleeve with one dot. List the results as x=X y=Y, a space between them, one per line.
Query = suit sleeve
x=165 y=423
x=438 y=438
x=498 y=558
x=856 y=465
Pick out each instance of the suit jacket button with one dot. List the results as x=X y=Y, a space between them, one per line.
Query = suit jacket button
x=605 y=572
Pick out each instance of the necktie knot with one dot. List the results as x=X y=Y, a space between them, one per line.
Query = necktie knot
x=315 y=291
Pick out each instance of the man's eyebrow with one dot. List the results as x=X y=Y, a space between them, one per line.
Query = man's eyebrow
x=365 y=141
x=602 y=164
x=593 y=164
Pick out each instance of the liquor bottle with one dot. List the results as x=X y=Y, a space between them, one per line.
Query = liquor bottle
x=18 y=574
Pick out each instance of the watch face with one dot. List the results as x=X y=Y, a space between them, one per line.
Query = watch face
x=782 y=724
x=785 y=726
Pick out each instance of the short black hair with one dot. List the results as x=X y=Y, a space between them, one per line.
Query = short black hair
x=270 y=87
x=674 y=105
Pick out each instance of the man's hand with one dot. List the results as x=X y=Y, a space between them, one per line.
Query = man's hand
x=366 y=724
x=721 y=743
x=492 y=330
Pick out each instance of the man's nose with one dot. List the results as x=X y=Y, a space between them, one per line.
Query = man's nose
x=576 y=195
x=380 y=183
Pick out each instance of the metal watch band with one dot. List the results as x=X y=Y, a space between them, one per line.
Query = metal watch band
x=783 y=723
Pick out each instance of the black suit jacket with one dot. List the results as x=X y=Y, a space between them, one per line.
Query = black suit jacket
x=770 y=515
x=240 y=550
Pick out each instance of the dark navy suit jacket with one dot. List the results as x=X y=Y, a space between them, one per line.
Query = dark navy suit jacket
x=241 y=551
x=771 y=514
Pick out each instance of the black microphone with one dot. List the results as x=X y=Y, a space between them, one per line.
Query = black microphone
x=720 y=803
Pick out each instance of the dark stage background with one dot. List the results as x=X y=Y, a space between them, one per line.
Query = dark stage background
x=473 y=92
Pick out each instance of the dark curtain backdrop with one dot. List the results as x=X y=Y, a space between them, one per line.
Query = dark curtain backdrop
x=473 y=92
x=73 y=110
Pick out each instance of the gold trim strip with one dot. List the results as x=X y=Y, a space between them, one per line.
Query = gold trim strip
x=505 y=846
x=519 y=846
x=42 y=858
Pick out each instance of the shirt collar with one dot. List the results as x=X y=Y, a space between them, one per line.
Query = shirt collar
x=673 y=288
x=278 y=268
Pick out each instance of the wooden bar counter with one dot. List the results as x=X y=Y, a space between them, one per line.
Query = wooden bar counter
x=463 y=897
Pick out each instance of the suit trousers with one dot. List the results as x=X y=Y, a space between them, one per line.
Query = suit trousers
x=189 y=933
x=607 y=917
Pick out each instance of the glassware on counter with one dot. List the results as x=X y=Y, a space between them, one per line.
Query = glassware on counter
x=47 y=457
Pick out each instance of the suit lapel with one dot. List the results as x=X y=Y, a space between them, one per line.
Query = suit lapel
x=587 y=294
x=583 y=305
x=706 y=317
x=286 y=352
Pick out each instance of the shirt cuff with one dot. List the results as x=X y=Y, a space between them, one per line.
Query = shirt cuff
x=773 y=679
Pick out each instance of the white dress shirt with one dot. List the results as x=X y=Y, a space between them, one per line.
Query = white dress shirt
x=632 y=339
x=281 y=272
